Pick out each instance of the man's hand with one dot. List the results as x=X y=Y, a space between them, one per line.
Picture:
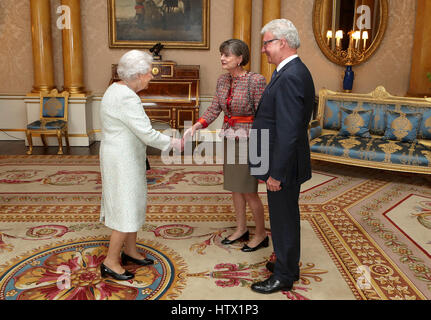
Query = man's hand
x=273 y=185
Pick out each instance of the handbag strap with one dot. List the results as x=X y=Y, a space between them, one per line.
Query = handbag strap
x=229 y=98
x=250 y=101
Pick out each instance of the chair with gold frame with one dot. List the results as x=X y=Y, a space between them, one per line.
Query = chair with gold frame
x=53 y=119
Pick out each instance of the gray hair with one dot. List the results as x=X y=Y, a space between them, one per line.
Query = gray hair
x=133 y=63
x=283 y=28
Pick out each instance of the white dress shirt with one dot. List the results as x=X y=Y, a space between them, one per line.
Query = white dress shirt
x=286 y=61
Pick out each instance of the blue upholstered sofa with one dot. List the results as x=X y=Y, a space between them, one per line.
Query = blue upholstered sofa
x=374 y=130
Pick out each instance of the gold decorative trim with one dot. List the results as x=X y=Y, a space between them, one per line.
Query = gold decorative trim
x=78 y=135
x=10 y=97
x=72 y=135
x=371 y=164
x=155 y=71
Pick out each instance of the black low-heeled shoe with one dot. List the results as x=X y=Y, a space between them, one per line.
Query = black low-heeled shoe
x=244 y=237
x=263 y=244
x=105 y=271
x=125 y=259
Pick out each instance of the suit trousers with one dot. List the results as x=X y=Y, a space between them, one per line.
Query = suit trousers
x=285 y=230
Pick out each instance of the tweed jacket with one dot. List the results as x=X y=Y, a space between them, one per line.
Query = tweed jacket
x=242 y=104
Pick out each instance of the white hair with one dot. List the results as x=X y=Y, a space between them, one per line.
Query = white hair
x=133 y=63
x=283 y=28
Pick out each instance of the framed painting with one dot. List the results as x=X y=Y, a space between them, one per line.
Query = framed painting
x=177 y=24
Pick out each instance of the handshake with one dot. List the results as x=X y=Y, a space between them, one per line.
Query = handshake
x=178 y=144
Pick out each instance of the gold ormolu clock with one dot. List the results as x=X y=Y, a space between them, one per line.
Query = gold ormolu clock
x=155 y=71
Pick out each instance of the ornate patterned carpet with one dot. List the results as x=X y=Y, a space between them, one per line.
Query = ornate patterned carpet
x=366 y=234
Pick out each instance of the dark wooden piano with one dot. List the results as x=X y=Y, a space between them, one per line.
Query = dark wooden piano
x=172 y=97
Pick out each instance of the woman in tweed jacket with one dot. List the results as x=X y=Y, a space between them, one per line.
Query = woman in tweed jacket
x=237 y=95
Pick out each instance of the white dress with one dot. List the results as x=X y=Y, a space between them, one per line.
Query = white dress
x=126 y=132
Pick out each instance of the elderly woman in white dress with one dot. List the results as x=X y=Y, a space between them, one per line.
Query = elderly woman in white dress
x=126 y=132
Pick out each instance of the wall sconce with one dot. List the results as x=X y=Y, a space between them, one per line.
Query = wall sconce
x=354 y=54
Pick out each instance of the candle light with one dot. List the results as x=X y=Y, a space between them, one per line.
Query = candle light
x=339 y=36
x=329 y=36
x=357 y=36
x=365 y=37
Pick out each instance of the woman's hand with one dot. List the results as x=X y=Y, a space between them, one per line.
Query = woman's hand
x=190 y=132
x=177 y=144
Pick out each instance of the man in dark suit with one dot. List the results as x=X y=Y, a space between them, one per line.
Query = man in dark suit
x=285 y=110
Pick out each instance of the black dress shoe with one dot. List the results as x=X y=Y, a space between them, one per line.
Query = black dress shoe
x=244 y=237
x=105 y=271
x=271 y=285
x=263 y=244
x=125 y=259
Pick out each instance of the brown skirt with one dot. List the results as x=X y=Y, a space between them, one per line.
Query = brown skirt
x=236 y=171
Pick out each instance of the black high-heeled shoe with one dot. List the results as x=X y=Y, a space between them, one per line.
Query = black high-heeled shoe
x=125 y=259
x=105 y=271
x=244 y=237
x=263 y=244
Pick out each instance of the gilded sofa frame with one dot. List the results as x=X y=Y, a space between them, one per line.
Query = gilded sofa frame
x=378 y=96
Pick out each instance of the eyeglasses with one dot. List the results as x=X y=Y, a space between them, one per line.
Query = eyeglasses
x=268 y=41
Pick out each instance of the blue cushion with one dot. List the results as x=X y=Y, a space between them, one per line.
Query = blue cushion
x=425 y=128
x=331 y=117
x=402 y=126
x=52 y=125
x=53 y=107
x=377 y=123
x=355 y=122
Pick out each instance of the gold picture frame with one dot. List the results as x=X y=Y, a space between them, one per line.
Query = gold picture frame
x=176 y=24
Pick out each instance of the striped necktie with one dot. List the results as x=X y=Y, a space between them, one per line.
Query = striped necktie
x=274 y=74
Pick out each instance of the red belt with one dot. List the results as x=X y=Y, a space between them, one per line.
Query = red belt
x=238 y=119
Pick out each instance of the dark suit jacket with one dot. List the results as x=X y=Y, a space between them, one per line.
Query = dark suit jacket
x=285 y=109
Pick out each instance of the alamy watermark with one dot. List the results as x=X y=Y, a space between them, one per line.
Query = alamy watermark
x=64 y=20
x=364 y=280
x=240 y=148
x=64 y=281
x=364 y=18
